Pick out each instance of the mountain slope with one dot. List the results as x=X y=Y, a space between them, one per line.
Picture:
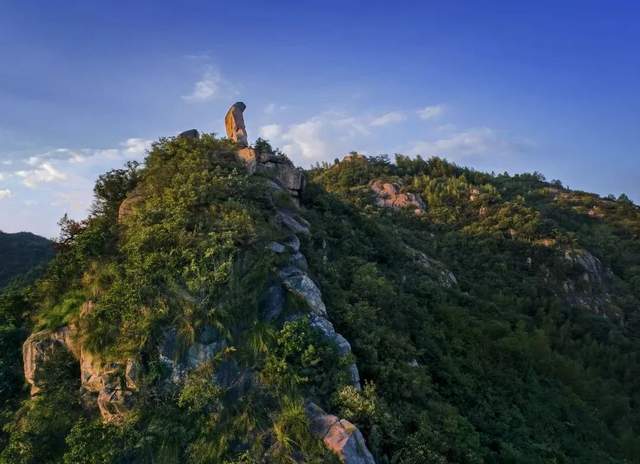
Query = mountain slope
x=215 y=305
x=21 y=252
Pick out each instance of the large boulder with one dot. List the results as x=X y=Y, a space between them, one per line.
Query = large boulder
x=39 y=347
x=128 y=205
x=338 y=435
x=276 y=167
x=234 y=124
x=293 y=222
x=109 y=385
x=342 y=344
x=191 y=134
x=300 y=284
x=390 y=195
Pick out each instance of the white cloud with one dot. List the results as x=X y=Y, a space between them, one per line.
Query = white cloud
x=63 y=154
x=272 y=108
x=431 y=112
x=320 y=137
x=44 y=173
x=392 y=117
x=58 y=164
x=207 y=88
x=5 y=193
x=270 y=131
x=305 y=139
x=471 y=142
x=136 y=146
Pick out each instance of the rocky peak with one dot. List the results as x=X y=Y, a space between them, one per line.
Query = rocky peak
x=275 y=166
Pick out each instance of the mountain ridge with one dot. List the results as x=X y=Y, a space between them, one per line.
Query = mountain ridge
x=21 y=252
x=221 y=305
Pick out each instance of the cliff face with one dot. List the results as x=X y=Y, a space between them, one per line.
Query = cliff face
x=229 y=307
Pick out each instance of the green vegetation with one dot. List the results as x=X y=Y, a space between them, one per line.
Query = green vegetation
x=524 y=360
x=22 y=253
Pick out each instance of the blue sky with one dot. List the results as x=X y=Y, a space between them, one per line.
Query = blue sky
x=551 y=86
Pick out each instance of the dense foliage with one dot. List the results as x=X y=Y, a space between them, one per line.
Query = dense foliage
x=520 y=358
x=502 y=367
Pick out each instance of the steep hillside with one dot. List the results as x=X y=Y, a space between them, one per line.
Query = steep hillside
x=220 y=305
x=20 y=253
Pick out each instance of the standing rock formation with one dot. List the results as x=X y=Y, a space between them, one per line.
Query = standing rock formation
x=275 y=166
x=234 y=124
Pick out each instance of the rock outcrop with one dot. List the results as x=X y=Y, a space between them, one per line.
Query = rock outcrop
x=390 y=195
x=39 y=347
x=435 y=268
x=191 y=134
x=181 y=362
x=589 y=285
x=338 y=435
x=234 y=124
x=108 y=385
x=275 y=167
x=128 y=205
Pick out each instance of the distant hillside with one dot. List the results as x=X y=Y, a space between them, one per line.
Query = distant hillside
x=20 y=253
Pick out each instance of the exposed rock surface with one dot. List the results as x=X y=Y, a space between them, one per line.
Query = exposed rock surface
x=389 y=195
x=276 y=167
x=344 y=347
x=293 y=222
x=192 y=134
x=234 y=124
x=39 y=347
x=439 y=271
x=300 y=284
x=181 y=361
x=128 y=205
x=590 y=286
x=339 y=435
x=110 y=385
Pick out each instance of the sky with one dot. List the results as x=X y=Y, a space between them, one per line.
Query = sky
x=547 y=86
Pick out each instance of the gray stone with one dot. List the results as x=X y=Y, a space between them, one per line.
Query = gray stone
x=293 y=242
x=276 y=247
x=192 y=134
x=298 y=260
x=300 y=284
x=339 y=436
x=297 y=225
x=181 y=363
x=341 y=343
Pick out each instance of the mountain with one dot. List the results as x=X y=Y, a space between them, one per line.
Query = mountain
x=20 y=253
x=221 y=305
